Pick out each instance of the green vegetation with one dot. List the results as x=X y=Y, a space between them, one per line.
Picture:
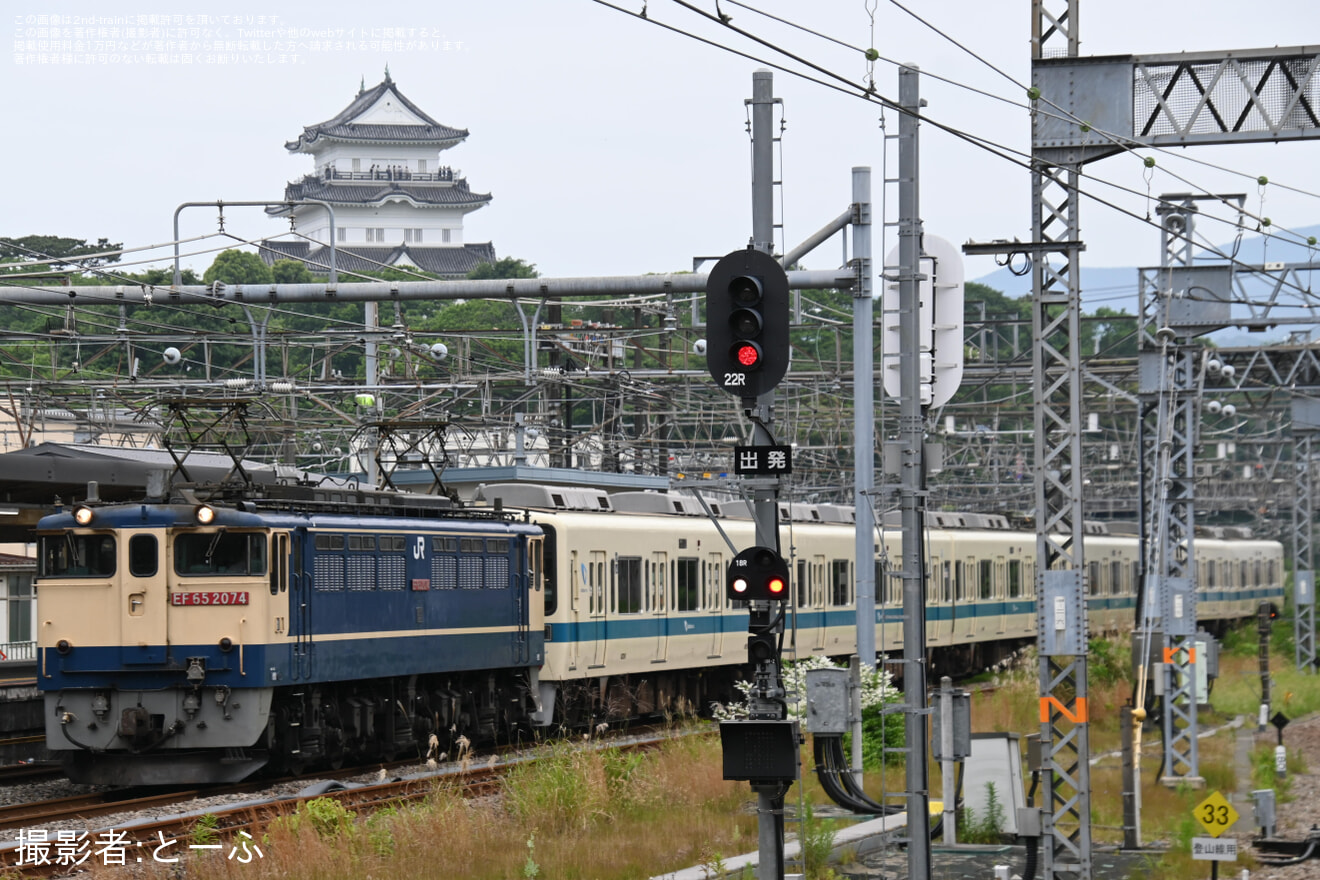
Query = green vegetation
x=986 y=827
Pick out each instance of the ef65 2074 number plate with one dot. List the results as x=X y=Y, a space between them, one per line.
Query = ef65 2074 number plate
x=211 y=597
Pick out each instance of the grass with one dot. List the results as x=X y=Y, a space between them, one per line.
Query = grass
x=581 y=813
x=578 y=813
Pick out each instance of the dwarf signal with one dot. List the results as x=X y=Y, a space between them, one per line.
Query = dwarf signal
x=758 y=573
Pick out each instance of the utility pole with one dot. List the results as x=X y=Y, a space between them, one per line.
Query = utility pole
x=913 y=475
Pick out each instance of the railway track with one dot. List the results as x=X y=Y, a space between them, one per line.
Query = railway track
x=233 y=826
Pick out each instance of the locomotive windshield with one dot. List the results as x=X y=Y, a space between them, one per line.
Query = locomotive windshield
x=71 y=555
x=219 y=553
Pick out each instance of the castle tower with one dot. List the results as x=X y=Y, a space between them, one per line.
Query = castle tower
x=377 y=163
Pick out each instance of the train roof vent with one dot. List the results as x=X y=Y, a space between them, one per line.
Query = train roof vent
x=985 y=521
x=837 y=513
x=1124 y=527
x=545 y=497
x=656 y=502
x=798 y=512
x=944 y=519
x=737 y=509
x=1094 y=527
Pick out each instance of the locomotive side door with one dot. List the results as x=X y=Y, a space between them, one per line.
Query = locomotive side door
x=300 y=605
x=146 y=599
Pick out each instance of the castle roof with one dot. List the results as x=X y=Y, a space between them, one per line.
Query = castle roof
x=378 y=115
x=447 y=262
x=449 y=194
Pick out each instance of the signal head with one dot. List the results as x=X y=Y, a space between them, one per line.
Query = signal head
x=747 y=323
x=758 y=573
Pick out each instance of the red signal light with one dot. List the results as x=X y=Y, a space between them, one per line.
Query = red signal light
x=747 y=354
x=776 y=586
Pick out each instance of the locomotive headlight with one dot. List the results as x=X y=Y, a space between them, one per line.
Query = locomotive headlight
x=226 y=644
x=82 y=515
x=205 y=514
x=63 y=647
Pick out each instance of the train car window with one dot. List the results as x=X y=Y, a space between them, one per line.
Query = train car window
x=471 y=545
x=656 y=587
x=1270 y=572
x=803 y=593
x=361 y=542
x=685 y=582
x=329 y=542
x=1115 y=577
x=1093 y=578
x=444 y=545
x=210 y=554
x=840 y=586
x=1015 y=578
x=628 y=587
x=71 y=555
x=279 y=569
x=1256 y=572
x=987 y=576
x=143 y=556
x=881 y=593
x=946 y=583
x=497 y=545
x=960 y=580
x=1242 y=574
x=542 y=577
x=392 y=543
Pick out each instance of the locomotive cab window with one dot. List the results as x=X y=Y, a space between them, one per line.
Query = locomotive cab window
x=210 y=554
x=70 y=555
x=143 y=556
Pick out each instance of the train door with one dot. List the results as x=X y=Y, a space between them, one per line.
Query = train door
x=712 y=593
x=997 y=597
x=967 y=592
x=577 y=605
x=596 y=604
x=144 y=629
x=658 y=608
x=817 y=593
x=936 y=576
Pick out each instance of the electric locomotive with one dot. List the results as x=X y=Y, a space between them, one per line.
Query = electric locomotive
x=191 y=642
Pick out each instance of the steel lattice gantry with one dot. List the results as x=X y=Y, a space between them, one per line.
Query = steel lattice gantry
x=1305 y=425
x=1057 y=385
x=1084 y=110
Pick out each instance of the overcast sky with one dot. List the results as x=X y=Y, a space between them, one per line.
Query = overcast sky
x=611 y=146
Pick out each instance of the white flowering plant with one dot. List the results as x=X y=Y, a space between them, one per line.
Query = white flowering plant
x=879 y=730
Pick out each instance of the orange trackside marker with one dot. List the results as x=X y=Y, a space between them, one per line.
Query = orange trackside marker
x=1170 y=653
x=1078 y=716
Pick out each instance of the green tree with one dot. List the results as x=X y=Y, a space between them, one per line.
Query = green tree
x=63 y=251
x=238 y=267
x=291 y=272
x=507 y=267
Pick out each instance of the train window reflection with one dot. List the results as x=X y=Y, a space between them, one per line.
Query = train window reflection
x=220 y=553
x=142 y=555
x=71 y=555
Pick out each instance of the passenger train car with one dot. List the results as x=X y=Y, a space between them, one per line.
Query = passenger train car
x=184 y=641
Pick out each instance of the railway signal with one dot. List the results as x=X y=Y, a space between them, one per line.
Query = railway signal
x=747 y=344
x=758 y=573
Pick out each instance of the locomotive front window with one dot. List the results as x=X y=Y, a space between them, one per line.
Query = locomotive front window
x=71 y=555
x=209 y=554
x=142 y=555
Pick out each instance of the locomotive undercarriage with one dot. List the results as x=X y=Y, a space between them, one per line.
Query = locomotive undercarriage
x=326 y=725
